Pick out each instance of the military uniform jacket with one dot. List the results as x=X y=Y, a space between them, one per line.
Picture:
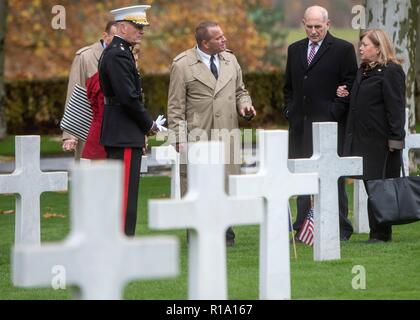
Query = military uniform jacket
x=126 y=120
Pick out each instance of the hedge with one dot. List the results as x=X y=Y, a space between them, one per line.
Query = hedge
x=36 y=106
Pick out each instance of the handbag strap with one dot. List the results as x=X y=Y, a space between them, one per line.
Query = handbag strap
x=386 y=163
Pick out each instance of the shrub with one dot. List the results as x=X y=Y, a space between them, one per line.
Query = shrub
x=36 y=106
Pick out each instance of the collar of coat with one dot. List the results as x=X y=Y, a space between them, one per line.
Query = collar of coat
x=203 y=74
x=194 y=57
x=97 y=49
x=117 y=41
x=326 y=43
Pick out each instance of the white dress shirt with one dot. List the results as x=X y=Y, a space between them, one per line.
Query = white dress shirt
x=316 y=48
x=206 y=59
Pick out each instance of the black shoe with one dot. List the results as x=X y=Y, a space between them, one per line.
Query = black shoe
x=374 y=240
x=344 y=238
x=230 y=242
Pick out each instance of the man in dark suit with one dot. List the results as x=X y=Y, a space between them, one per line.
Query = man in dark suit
x=126 y=121
x=316 y=66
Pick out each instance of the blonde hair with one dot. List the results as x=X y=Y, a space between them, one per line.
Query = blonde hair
x=380 y=40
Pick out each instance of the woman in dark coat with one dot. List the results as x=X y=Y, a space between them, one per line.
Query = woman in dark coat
x=376 y=117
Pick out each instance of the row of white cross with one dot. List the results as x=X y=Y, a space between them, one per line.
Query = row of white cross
x=99 y=259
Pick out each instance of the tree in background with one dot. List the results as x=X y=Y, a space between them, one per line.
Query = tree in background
x=399 y=20
x=268 y=19
x=417 y=65
x=36 y=50
x=173 y=26
x=3 y=24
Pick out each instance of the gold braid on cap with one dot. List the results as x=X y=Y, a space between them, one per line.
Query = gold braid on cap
x=137 y=19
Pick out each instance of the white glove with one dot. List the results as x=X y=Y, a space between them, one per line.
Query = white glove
x=159 y=123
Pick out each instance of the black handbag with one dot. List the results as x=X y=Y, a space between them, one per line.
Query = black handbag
x=396 y=200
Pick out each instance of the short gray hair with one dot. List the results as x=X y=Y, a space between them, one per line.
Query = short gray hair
x=320 y=9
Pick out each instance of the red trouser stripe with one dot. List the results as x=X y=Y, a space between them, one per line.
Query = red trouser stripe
x=127 y=168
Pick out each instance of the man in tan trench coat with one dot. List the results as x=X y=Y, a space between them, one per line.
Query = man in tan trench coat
x=85 y=65
x=206 y=92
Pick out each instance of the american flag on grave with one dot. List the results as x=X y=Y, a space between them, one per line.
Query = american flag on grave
x=306 y=233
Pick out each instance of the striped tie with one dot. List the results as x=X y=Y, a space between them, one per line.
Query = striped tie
x=312 y=53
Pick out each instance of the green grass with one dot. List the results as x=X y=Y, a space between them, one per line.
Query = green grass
x=391 y=268
x=50 y=146
x=349 y=34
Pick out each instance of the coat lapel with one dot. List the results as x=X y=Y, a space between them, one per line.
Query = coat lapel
x=304 y=53
x=328 y=40
x=200 y=71
x=97 y=50
x=224 y=74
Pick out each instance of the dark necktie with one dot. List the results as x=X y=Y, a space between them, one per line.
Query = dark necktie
x=312 y=52
x=213 y=68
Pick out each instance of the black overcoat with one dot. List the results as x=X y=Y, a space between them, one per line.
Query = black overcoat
x=310 y=91
x=376 y=119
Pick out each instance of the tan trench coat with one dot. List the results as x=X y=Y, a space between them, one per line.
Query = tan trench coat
x=195 y=96
x=85 y=65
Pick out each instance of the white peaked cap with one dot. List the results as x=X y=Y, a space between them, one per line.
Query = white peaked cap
x=135 y=14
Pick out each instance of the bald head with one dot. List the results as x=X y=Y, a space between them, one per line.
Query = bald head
x=316 y=23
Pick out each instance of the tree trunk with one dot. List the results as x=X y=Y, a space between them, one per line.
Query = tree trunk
x=3 y=24
x=399 y=19
x=417 y=66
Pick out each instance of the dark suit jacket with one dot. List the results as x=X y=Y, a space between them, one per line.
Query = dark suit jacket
x=310 y=91
x=376 y=119
x=126 y=120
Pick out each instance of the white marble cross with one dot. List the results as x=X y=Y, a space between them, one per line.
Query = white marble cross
x=168 y=155
x=96 y=256
x=29 y=182
x=144 y=167
x=209 y=211
x=276 y=184
x=360 y=213
x=330 y=167
x=412 y=141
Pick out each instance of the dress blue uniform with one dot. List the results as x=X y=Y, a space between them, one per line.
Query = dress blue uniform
x=126 y=121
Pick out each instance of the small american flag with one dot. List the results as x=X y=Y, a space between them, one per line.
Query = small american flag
x=306 y=234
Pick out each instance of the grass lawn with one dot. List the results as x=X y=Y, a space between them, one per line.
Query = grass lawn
x=391 y=269
x=50 y=146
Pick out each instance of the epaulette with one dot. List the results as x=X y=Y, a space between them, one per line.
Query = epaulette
x=229 y=51
x=80 y=51
x=180 y=56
